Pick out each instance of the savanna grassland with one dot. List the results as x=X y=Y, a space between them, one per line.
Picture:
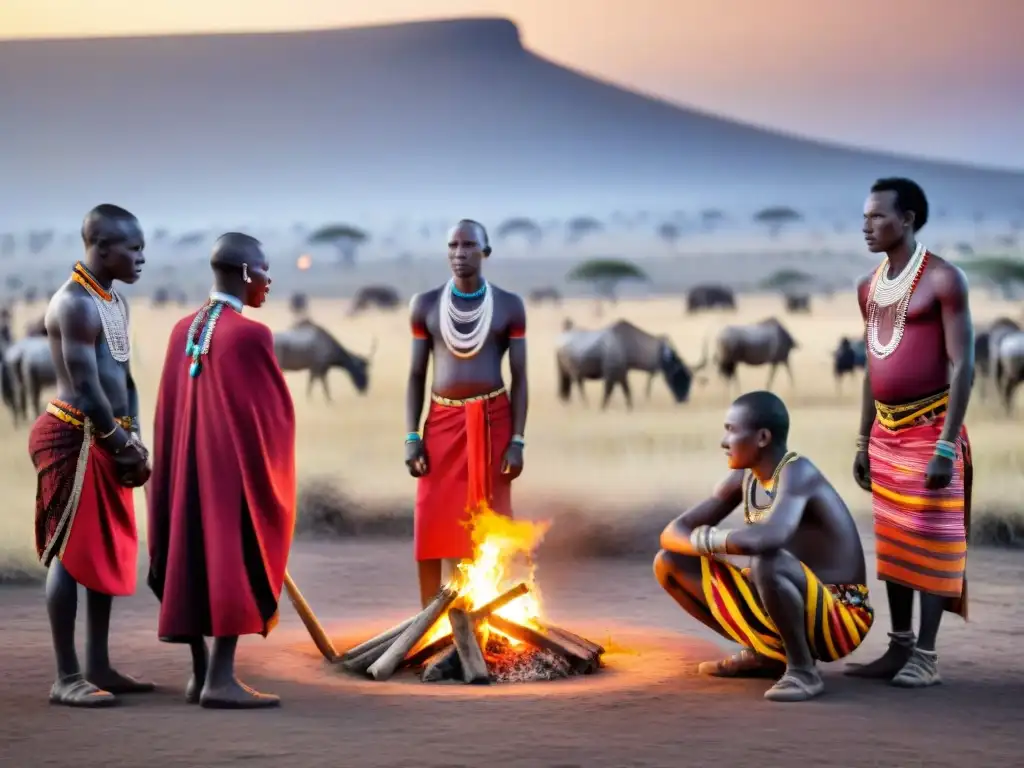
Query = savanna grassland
x=610 y=465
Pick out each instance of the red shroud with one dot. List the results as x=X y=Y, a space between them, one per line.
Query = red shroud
x=465 y=447
x=222 y=495
x=94 y=537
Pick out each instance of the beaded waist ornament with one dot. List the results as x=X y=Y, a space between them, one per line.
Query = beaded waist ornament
x=200 y=332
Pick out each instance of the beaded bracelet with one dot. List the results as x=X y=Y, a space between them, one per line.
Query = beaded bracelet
x=862 y=443
x=412 y=437
x=518 y=440
x=946 y=449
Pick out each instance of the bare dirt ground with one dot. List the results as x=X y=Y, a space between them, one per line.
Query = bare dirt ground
x=647 y=709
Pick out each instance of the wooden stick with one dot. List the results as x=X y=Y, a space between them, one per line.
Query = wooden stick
x=574 y=638
x=474 y=667
x=373 y=642
x=315 y=629
x=359 y=664
x=581 y=659
x=384 y=667
x=444 y=665
x=424 y=654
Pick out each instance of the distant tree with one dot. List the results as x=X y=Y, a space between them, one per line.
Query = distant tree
x=344 y=237
x=711 y=219
x=160 y=234
x=39 y=240
x=13 y=283
x=189 y=240
x=521 y=226
x=1006 y=273
x=776 y=217
x=670 y=233
x=582 y=226
x=786 y=280
x=606 y=275
x=8 y=245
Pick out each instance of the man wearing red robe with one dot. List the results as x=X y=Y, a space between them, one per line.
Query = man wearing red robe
x=472 y=444
x=222 y=493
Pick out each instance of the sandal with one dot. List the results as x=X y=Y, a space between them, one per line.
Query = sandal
x=793 y=688
x=76 y=691
x=920 y=671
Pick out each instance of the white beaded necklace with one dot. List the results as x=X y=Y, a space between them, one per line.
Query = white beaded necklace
x=468 y=344
x=885 y=293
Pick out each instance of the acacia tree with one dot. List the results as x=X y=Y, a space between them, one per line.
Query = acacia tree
x=776 y=217
x=606 y=275
x=344 y=237
x=1005 y=274
x=711 y=219
x=582 y=226
x=670 y=233
x=521 y=226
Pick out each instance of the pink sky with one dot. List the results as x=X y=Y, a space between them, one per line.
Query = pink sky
x=929 y=77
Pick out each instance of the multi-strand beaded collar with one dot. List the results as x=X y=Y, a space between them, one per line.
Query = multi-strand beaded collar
x=112 y=311
x=200 y=333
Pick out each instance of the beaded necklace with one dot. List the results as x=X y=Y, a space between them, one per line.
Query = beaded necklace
x=885 y=293
x=200 y=332
x=752 y=511
x=460 y=344
x=112 y=311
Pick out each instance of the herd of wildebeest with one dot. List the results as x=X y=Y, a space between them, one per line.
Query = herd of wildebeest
x=605 y=354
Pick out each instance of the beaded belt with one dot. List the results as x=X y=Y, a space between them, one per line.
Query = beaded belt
x=896 y=417
x=455 y=403
x=71 y=415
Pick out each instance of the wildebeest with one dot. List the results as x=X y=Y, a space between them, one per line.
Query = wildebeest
x=379 y=296
x=609 y=354
x=848 y=357
x=26 y=371
x=1009 y=365
x=546 y=296
x=710 y=297
x=798 y=302
x=764 y=343
x=308 y=347
x=985 y=344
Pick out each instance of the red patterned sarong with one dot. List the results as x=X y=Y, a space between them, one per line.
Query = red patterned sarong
x=84 y=516
x=465 y=443
x=921 y=535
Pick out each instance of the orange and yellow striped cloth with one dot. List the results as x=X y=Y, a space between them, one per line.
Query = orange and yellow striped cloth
x=920 y=534
x=838 y=615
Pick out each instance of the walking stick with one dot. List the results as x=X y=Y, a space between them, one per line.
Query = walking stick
x=315 y=629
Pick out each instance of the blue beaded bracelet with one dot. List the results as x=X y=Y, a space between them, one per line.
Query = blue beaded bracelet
x=412 y=437
x=945 y=448
x=518 y=440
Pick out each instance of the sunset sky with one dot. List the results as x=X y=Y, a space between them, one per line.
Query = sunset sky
x=928 y=77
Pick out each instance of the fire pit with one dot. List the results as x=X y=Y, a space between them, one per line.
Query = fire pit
x=476 y=630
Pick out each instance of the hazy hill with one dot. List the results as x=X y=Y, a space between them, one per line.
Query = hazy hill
x=423 y=119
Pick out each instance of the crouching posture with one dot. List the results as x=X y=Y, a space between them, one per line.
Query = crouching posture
x=803 y=599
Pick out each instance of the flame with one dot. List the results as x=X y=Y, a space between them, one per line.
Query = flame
x=502 y=558
x=304 y=262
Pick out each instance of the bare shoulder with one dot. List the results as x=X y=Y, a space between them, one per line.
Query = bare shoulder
x=948 y=279
x=864 y=285
x=801 y=476
x=73 y=313
x=421 y=303
x=501 y=294
x=730 y=485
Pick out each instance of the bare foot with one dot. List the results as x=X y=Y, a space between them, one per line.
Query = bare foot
x=76 y=691
x=235 y=695
x=746 y=663
x=113 y=681
x=887 y=666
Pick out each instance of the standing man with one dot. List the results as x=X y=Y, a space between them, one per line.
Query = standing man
x=912 y=451
x=88 y=458
x=222 y=497
x=472 y=444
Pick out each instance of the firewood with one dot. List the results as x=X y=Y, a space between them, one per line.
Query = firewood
x=579 y=657
x=385 y=666
x=592 y=647
x=373 y=642
x=443 y=665
x=359 y=664
x=424 y=654
x=474 y=667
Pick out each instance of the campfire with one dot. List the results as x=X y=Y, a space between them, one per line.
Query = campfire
x=483 y=626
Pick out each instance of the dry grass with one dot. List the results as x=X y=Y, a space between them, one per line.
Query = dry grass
x=604 y=466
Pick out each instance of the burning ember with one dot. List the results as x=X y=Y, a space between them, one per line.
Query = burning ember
x=485 y=624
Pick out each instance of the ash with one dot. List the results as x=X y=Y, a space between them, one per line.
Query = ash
x=523 y=664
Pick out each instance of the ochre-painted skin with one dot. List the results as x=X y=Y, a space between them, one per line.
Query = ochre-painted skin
x=456 y=378
x=936 y=353
x=89 y=379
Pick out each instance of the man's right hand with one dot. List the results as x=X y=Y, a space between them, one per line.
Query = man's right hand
x=416 y=458
x=862 y=470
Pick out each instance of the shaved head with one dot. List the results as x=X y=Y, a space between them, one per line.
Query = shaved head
x=233 y=249
x=108 y=224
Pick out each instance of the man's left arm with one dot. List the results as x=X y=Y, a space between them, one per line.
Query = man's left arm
x=794 y=490
x=958 y=331
x=518 y=387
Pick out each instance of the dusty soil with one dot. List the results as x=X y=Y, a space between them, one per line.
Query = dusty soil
x=647 y=709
